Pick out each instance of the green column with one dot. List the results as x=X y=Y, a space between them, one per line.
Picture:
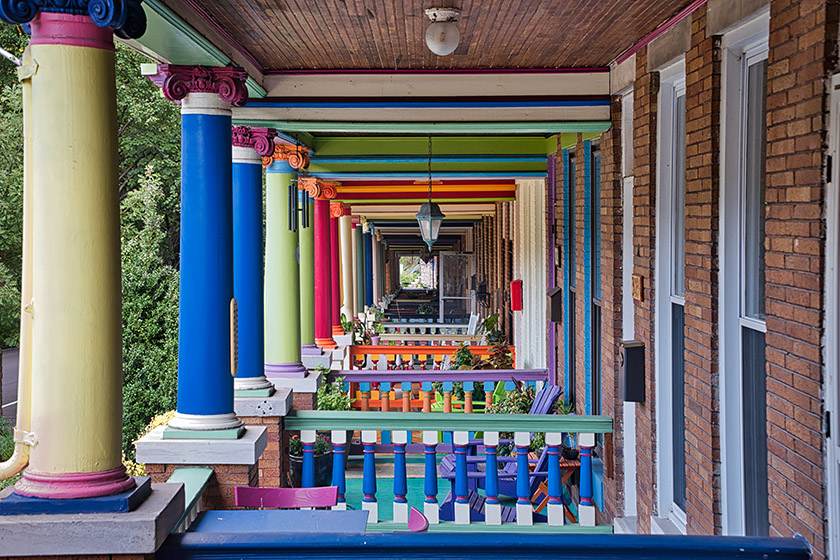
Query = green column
x=282 y=282
x=307 y=278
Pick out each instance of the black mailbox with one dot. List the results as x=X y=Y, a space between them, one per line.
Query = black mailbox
x=555 y=305
x=631 y=371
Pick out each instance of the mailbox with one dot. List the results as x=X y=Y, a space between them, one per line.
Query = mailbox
x=555 y=305
x=631 y=371
x=516 y=295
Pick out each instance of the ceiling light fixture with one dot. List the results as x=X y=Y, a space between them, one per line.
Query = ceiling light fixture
x=429 y=217
x=442 y=36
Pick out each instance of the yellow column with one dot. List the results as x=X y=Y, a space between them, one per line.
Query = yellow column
x=76 y=309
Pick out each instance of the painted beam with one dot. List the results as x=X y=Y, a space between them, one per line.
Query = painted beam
x=435 y=102
x=418 y=83
x=462 y=145
x=521 y=127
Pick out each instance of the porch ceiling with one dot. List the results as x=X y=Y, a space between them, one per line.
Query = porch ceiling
x=357 y=34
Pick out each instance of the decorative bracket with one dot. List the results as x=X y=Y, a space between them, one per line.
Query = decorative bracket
x=179 y=81
x=338 y=209
x=261 y=139
x=297 y=156
x=318 y=189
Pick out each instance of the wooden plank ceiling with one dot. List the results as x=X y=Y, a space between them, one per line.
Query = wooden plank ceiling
x=389 y=34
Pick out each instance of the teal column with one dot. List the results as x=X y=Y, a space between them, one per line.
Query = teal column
x=360 y=269
x=282 y=280
x=306 y=258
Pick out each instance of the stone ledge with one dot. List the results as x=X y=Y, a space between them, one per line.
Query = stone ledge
x=141 y=531
x=308 y=384
x=312 y=362
x=279 y=404
x=155 y=450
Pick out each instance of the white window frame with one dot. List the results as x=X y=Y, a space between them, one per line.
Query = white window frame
x=743 y=42
x=671 y=85
x=831 y=340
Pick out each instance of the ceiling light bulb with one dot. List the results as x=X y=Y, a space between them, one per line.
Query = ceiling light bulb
x=442 y=36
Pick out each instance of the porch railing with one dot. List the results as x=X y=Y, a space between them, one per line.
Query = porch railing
x=402 y=425
x=396 y=389
x=411 y=356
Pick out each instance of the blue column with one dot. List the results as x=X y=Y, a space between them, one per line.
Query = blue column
x=248 y=268
x=400 y=478
x=555 y=488
x=461 y=491
x=338 y=475
x=307 y=474
x=368 y=269
x=430 y=474
x=523 y=483
x=586 y=476
x=369 y=472
x=491 y=481
x=205 y=385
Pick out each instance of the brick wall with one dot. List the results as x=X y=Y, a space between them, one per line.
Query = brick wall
x=303 y=401
x=580 y=271
x=802 y=56
x=274 y=461
x=702 y=196
x=611 y=290
x=219 y=493
x=645 y=96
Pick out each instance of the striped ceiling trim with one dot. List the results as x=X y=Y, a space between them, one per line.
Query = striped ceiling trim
x=414 y=191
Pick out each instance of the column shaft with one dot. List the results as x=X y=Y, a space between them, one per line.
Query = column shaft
x=375 y=268
x=354 y=273
x=346 y=247
x=360 y=270
x=248 y=267
x=335 y=277
x=368 y=269
x=306 y=258
x=76 y=308
x=282 y=277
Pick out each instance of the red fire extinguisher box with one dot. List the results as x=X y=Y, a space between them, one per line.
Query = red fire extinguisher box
x=516 y=295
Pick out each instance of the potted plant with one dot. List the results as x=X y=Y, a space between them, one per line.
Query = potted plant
x=323 y=460
x=333 y=396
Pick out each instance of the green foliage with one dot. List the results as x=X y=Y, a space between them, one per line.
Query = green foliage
x=408 y=279
x=7 y=447
x=150 y=315
x=426 y=309
x=463 y=358
x=332 y=395
x=322 y=445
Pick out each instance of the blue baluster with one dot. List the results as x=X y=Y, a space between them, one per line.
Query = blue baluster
x=307 y=477
x=431 y=509
x=339 y=440
x=369 y=476
x=462 y=499
x=555 y=484
x=400 y=479
x=586 y=511
x=492 y=508
x=524 y=512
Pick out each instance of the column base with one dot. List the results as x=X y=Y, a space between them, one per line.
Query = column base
x=285 y=371
x=205 y=422
x=252 y=383
x=326 y=343
x=65 y=486
x=310 y=350
x=337 y=330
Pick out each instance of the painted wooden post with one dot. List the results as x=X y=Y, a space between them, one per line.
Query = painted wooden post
x=492 y=507
x=426 y=392
x=586 y=509
x=385 y=406
x=431 y=508
x=364 y=395
x=307 y=477
x=524 y=511
x=306 y=271
x=400 y=438
x=346 y=246
x=447 y=396
x=460 y=440
x=339 y=441
x=469 y=387
x=406 y=393
x=336 y=211
x=368 y=265
x=555 y=486
x=369 y=476
x=489 y=387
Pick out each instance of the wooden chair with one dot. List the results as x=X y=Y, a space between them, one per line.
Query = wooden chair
x=295 y=498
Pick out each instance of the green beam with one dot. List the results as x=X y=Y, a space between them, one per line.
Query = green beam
x=326 y=146
x=431 y=127
x=422 y=167
x=421 y=199
x=417 y=421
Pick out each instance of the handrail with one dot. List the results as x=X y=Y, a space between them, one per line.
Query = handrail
x=335 y=420
x=440 y=375
x=195 y=481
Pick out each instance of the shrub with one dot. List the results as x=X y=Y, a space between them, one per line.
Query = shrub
x=322 y=445
x=333 y=396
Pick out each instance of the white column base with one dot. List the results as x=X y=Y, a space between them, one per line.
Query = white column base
x=462 y=514
x=432 y=512
x=586 y=516
x=400 y=512
x=556 y=515
x=251 y=383
x=340 y=507
x=205 y=422
x=373 y=511
x=524 y=514
x=492 y=514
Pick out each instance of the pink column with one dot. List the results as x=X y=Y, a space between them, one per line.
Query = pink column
x=336 y=211
x=322 y=192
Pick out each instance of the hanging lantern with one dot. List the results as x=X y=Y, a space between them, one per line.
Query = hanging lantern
x=429 y=217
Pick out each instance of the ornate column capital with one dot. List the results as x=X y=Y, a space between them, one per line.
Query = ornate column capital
x=297 y=156
x=126 y=17
x=316 y=188
x=338 y=209
x=261 y=139
x=178 y=81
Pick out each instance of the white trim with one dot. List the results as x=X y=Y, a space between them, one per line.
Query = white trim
x=745 y=38
x=832 y=327
x=241 y=154
x=202 y=103
x=671 y=87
